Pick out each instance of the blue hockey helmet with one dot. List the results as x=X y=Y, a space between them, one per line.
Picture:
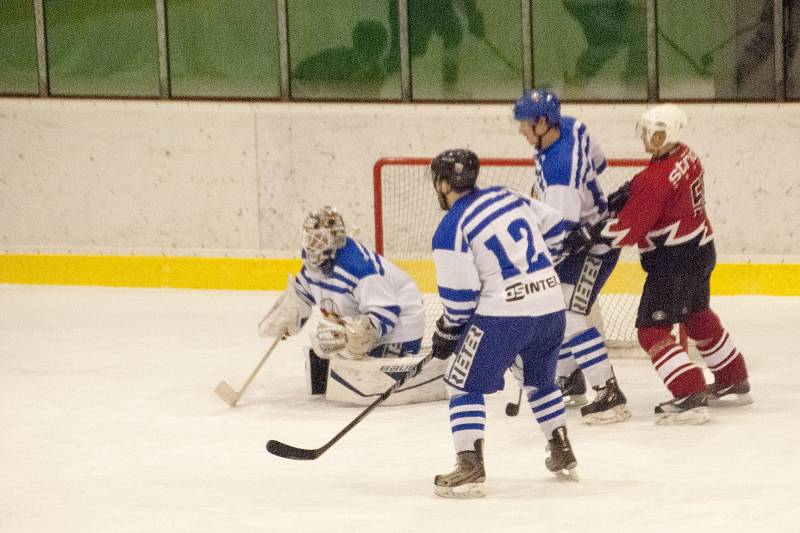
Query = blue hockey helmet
x=535 y=103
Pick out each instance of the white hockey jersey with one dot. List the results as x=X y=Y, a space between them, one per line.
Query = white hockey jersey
x=491 y=259
x=566 y=176
x=363 y=282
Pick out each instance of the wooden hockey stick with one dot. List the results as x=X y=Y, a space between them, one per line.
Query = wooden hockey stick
x=303 y=454
x=230 y=396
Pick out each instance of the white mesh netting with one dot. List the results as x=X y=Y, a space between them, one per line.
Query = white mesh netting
x=407 y=213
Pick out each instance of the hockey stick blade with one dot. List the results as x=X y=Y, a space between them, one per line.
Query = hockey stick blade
x=301 y=454
x=286 y=451
x=226 y=393
x=512 y=409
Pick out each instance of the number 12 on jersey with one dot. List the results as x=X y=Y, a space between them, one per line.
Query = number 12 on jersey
x=518 y=229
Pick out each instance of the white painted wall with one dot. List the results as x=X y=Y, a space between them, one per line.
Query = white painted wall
x=208 y=178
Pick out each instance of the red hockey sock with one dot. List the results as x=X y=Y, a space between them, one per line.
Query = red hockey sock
x=679 y=374
x=716 y=346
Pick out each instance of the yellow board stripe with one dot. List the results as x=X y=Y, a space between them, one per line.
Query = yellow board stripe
x=270 y=274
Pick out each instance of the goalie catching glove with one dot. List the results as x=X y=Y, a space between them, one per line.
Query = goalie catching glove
x=287 y=316
x=445 y=339
x=352 y=338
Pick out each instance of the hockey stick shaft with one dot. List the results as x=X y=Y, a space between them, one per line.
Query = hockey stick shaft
x=287 y=451
x=223 y=389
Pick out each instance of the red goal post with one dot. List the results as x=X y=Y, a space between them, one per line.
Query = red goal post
x=406 y=213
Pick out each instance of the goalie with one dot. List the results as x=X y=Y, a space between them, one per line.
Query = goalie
x=372 y=320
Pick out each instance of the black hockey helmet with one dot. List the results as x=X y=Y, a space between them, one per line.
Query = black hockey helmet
x=459 y=167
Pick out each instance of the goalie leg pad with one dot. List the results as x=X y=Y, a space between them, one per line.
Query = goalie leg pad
x=316 y=372
x=360 y=382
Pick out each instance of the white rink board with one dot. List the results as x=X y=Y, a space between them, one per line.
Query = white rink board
x=213 y=178
x=109 y=423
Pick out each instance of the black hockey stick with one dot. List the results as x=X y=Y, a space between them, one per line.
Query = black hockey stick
x=287 y=451
x=512 y=409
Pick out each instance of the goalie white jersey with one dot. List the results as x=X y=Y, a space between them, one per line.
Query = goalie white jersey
x=491 y=258
x=363 y=282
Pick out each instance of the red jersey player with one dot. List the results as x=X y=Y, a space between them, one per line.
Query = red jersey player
x=662 y=210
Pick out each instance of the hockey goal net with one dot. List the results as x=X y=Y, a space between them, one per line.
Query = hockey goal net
x=407 y=213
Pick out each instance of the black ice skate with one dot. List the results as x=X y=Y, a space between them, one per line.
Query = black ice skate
x=720 y=395
x=609 y=406
x=573 y=388
x=466 y=481
x=692 y=409
x=562 y=461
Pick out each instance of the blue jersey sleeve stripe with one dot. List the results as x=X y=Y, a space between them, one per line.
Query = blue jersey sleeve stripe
x=464 y=312
x=558 y=229
x=458 y=295
x=492 y=216
x=601 y=167
x=385 y=323
x=578 y=170
x=344 y=280
x=328 y=286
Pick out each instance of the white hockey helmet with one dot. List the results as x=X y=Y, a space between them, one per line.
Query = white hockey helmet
x=668 y=118
x=323 y=234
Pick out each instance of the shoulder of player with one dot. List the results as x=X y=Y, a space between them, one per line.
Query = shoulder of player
x=355 y=261
x=462 y=213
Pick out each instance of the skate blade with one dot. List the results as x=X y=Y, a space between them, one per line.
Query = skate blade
x=576 y=400
x=696 y=416
x=730 y=400
x=568 y=474
x=619 y=413
x=467 y=491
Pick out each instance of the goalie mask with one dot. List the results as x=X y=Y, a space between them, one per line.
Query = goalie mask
x=323 y=235
x=457 y=167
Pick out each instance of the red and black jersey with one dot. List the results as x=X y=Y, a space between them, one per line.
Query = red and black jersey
x=665 y=215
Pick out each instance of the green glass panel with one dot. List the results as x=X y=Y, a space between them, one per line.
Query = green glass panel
x=465 y=49
x=721 y=49
x=340 y=50
x=225 y=48
x=18 y=71
x=791 y=44
x=590 y=49
x=102 y=47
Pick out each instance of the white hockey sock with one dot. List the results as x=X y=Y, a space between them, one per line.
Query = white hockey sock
x=548 y=408
x=467 y=420
x=566 y=363
x=591 y=354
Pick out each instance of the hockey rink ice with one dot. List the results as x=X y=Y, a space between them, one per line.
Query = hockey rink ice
x=110 y=424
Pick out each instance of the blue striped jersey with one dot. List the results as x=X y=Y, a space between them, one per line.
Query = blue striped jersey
x=566 y=175
x=491 y=259
x=363 y=282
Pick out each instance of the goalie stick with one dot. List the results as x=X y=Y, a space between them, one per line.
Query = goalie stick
x=288 y=451
x=227 y=394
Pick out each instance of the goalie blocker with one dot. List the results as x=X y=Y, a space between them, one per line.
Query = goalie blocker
x=361 y=381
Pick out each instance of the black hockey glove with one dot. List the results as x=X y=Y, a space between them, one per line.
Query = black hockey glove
x=580 y=240
x=445 y=339
x=617 y=199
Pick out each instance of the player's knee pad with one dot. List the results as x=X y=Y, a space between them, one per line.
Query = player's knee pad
x=653 y=338
x=703 y=325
